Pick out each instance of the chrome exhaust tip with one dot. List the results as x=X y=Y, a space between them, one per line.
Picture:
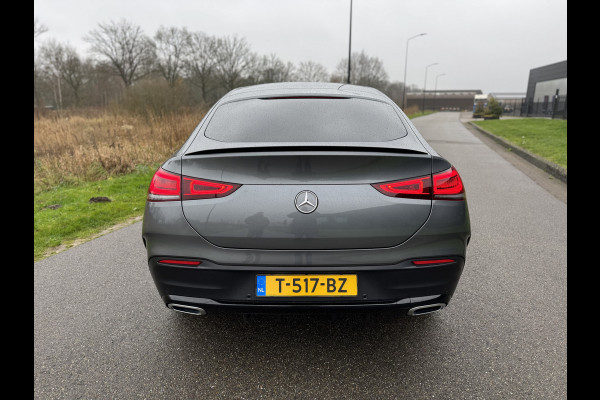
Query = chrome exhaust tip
x=428 y=309
x=182 y=308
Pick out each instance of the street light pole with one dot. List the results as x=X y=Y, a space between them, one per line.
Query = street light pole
x=425 y=84
x=405 y=65
x=350 y=44
x=435 y=90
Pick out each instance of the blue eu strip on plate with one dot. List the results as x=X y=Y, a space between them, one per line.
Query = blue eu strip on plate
x=261 y=285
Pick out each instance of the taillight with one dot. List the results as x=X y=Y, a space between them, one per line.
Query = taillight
x=200 y=189
x=180 y=262
x=167 y=186
x=430 y=262
x=447 y=185
x=415 y=188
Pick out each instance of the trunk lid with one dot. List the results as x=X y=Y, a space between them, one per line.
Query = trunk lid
x=350 y=213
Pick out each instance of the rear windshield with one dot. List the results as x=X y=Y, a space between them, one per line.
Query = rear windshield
x=305 y=120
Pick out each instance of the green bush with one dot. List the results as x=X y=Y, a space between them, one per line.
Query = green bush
x=478 y=111
x=493 y=109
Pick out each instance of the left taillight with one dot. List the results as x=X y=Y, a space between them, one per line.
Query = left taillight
x=167 y=186
x=194 y=189
x=190 y=263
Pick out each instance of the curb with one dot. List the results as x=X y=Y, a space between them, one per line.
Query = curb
x=553 y=169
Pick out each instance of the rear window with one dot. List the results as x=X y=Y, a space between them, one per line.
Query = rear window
x=305 y=120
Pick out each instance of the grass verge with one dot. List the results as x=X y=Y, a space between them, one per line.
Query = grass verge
x=64 y=214
x=546 y=138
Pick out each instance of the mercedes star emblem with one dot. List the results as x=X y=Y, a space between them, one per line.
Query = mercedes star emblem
x=306 y=201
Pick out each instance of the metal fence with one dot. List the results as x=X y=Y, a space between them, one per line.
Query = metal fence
x=548 y=106
x=511 y=107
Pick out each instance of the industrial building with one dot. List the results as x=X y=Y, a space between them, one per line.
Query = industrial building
x=442 y=100
x=547 y=92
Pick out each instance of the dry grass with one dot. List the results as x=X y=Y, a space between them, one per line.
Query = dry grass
x=73 y=146
x=87 y=145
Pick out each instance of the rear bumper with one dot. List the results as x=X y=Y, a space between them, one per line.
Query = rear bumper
x=397 y=287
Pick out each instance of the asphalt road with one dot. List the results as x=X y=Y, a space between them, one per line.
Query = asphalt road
x=101 y=330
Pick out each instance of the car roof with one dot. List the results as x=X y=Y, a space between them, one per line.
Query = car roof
x=324 y=89
x=199 y=143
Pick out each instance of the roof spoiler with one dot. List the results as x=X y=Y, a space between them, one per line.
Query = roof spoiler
x=257 y=149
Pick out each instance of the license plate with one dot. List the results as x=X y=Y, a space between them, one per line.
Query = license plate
x=306 y=285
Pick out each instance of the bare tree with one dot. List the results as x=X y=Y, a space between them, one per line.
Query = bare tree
x=271 y=69
x=63 y=63
x=52 y=55
x=102 y=85
x=38 y=28
x=200 y=63
x=311 y=71
x=235 y=62
x=124 y=55
x=37 y=79
x=126 y=47
x=172 y=46
x=365 y=71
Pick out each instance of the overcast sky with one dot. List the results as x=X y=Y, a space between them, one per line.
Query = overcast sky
x=479 y=44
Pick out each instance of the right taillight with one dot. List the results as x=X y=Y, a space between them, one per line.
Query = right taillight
x=415 y=188
x=447 y=185
x=430 y=262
